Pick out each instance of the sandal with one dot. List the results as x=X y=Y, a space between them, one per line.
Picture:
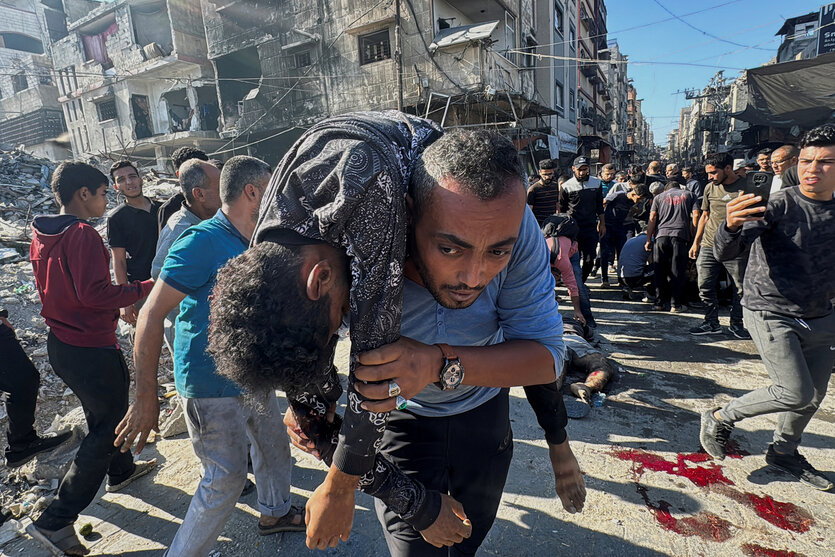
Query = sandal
x=59 y=542
x=293 y=521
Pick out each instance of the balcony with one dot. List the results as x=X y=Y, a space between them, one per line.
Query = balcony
x=588 y=69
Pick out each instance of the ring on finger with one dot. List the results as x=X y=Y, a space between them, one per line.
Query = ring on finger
x=401 y=402
x=394 y=389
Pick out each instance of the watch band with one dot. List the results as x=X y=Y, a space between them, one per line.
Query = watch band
x=447 y=351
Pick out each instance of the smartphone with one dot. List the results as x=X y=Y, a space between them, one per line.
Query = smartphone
x=759 y=183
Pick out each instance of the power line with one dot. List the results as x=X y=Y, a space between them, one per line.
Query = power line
x=703 y=32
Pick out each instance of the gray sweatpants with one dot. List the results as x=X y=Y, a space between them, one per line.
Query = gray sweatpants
x=219 y=429
x=798 y=355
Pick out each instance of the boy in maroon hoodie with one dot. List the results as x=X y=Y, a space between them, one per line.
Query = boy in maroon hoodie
x=81 y=306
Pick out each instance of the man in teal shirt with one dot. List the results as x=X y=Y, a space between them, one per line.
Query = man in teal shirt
x=220 y=421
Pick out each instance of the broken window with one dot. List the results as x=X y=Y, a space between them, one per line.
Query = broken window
x=107 y=110
x=238 y=74
x=95 y=47
x=18 y=41
x=19 y=82
x=152 y=26
x=374 y=47
x=302 y=59
x=141 y=115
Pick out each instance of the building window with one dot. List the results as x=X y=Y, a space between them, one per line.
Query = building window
x=510 y=36
x=559 y=97
x=302 y=59
x=559 y=18
x=375 y=47
x=571 y=110
x=107 y=110
x=19 y=82
x=572 y=37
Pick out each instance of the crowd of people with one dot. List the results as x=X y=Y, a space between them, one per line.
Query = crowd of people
x=422 y=243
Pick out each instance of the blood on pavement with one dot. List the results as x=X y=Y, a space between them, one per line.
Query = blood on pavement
x=754 y=550
x=786 y=516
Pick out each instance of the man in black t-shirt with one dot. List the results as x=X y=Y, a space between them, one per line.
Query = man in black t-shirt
x=672 y=219
x=131 y=231
x=543 y=195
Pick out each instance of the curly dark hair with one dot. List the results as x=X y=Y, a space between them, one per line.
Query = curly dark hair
x=264 y=332
x=822 y=136
x=181 y=155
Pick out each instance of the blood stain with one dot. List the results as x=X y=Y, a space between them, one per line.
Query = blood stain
x=701 y=476
x=786 y=516
x=754 y=550
x=705 y=525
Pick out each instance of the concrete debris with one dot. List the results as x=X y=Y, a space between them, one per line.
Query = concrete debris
x=172 y=419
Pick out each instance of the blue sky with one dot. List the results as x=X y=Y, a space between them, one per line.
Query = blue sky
x=657 y=53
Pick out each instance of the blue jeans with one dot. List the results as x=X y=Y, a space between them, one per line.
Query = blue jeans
x=585 y=300
x=219 y=429
x=610 y=247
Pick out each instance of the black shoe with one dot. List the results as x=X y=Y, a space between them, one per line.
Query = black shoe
x=797 y=465
x=739 y=331
x=714 y=434
x=18 y=456
x=678 y=309
x=659 y=307
x=706 y=329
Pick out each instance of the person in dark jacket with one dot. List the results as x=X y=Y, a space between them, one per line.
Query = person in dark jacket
x=19 y=378
x=81 y=306
x=582 y=198
x=789 y=287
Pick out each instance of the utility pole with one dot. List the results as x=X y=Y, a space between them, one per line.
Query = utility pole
x=398 y=56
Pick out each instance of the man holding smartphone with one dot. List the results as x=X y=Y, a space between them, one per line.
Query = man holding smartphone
x=788 y=308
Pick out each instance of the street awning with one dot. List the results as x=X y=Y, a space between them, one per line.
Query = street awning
x=800 y=93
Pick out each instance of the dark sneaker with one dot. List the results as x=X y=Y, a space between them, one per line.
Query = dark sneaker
x=659 y=307
x=18 y=456
x=706 y=329
x=797 y=465
x=714 y=434
x=678 y=309
x=739 y=331
x=141 y=467
x=626 y=294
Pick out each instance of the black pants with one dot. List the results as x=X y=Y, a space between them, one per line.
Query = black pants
x=19 y=378
x=466 y=456
x=99 y=378
x=670 y=269
x=587 y=248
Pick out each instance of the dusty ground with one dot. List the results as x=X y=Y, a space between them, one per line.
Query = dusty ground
x=648 y=424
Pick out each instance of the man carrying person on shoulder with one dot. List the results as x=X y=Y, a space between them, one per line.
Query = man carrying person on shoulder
x=476 y=278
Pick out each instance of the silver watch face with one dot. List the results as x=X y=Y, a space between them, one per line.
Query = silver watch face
x=453 y=375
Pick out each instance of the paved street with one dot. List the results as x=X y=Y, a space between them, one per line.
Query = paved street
x=647 y=494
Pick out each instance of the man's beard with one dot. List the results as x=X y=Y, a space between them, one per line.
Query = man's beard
x=429 y=284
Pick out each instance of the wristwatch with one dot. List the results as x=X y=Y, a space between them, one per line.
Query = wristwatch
x=452 y=372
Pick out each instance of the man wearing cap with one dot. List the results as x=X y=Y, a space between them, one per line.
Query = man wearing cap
x=582 y=197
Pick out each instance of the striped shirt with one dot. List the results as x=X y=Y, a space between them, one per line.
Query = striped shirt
x=543 y=200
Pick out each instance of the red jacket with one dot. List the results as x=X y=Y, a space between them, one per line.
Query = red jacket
x=72 y=273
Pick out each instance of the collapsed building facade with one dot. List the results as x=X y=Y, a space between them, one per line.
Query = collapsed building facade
x=134 y=79
x=282 y=67
x=30 y=114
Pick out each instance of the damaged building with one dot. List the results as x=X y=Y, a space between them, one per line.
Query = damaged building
x=134 y=79
x=282 y=66
x=30 y=114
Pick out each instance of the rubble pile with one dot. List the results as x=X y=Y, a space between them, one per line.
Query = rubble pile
x=24 y=192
